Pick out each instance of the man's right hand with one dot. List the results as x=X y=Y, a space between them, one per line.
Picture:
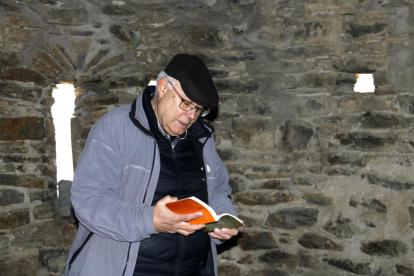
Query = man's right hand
x=166 y=221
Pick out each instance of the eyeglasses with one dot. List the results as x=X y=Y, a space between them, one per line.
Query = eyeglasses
x=188 y=106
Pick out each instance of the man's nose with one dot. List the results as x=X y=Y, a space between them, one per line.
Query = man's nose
x=192 y=114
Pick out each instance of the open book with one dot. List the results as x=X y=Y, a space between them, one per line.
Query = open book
x=209 y=218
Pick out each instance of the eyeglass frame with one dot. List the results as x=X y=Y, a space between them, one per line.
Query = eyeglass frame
x=204 y=111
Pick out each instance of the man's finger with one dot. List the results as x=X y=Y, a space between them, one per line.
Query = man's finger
x=190 y=216
x=190 y=227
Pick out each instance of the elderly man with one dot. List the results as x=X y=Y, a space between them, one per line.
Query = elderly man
x=138 y=158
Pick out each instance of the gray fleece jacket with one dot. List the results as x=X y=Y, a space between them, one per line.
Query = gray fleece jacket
x=112 y=191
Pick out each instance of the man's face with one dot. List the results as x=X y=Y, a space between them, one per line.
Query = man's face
x=171 y=117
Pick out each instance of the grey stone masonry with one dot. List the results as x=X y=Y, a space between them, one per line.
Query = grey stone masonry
x=322 y=176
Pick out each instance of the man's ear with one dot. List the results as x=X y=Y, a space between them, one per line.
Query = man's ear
x=162 y=87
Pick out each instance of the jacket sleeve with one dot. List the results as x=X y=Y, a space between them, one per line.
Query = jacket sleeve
x=220 y=200
x=96 y=187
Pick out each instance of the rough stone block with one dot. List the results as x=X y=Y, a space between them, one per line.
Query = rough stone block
x=205 y=36
x=265 y=272
x=9 y=58
x=257 y=241
x=128 y=81
x=271 y=184
x=357 y=31
x=318 y=80
x=23 y=74
x=4 y=244
x=340 y=228
x=26 y=128
x=70 y=17
x=44 y=211
x=23 y=159
x=230 y=154
x=123 y=33
x=281 y=69
x=356 y=103
x=292 y=218
x=22 y=266
x=330 y=121
x=163 y=38
x=52 y=234
x=278 y=258
x=9 y=197
x=406 y=103
x=26 y=181
x=228 y=269
x=19 y=92
x=253 y=133
x=312 y=106
x=309 y=180
x=64 y=197
x=254 y=198
x=411 y=212
x=295 y=135
x=44 y=196
x=237 y=183
x=388 y=183
x=354 y=267
x=96 y=59
x=313 y=241
x=244 y=86
x=79 y=47
x=110 y=62
x=377 y=206
x=117 y=10
x=403 y=270
x=390 y=248
x=388 y=121
x=385 y=90
x=16 y=35
x=18 y=20
x=344 y=158
x=60 y=56
x=318 y=199
x=14 y=219
x=368 y=141
x=53 y=260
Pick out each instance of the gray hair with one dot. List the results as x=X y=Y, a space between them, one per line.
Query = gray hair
x=161 y=75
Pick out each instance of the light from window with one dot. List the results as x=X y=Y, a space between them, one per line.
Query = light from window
x=62 y=112
x=364 y=83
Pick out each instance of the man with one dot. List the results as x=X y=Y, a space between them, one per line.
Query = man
x=137 y=159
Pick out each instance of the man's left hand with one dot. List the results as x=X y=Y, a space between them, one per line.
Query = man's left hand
x=224 y=233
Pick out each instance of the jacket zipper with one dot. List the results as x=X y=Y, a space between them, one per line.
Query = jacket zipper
x=79 y=250
x=143 y=201
x=126 y=264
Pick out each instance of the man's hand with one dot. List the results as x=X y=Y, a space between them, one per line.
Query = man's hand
x=166 y=221
x=224 y=233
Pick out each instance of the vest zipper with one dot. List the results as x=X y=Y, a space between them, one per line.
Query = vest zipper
x=143 y=201
x=180 y=179
x=180 y=243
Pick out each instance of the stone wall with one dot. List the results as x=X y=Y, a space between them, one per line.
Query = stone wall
x=321 y=175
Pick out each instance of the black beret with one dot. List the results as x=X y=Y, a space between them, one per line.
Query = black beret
x=195 y=79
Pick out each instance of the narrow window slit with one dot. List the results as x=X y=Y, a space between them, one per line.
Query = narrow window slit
x=62 y=112
x=364 y=83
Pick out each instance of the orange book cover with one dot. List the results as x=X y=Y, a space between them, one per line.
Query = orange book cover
x=192 y=205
